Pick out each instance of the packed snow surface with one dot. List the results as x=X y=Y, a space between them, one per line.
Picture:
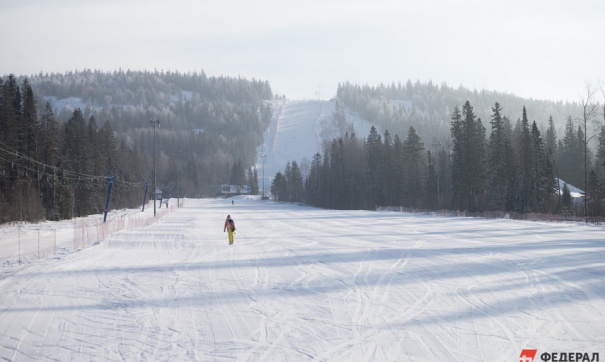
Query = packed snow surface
x=298 y=130
x=309 y=284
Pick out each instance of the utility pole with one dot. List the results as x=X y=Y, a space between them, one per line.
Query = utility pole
x=109 y=180
x=178 y=171
x=154 y=175
x=589 y=113
x=263 y=156
x=145 y=196
x=436 y=168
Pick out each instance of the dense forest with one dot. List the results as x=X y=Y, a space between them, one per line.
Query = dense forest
x=508 y=166
x=427 y=107
x=56 y=161
x=63 y=137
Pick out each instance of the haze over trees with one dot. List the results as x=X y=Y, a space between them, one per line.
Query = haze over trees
x=56 y=160
x=442 y=148
x=508 y=166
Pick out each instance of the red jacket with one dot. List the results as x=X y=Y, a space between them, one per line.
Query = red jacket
x=227 y=222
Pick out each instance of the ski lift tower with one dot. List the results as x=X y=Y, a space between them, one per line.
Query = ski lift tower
x=154 y=196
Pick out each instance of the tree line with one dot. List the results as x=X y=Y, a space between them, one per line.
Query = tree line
x=428 y=106
x=53 y=171
x=56 y=163
x=207 y=124
x=514 y=168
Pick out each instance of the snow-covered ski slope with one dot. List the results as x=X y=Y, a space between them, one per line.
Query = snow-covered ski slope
x=297 y=131
x=305 y=284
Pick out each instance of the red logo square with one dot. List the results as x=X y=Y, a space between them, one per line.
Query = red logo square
x=527 y=355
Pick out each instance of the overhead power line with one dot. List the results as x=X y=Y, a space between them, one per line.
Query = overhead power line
x=10 y=155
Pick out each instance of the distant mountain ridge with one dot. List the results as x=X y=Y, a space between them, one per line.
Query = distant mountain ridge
x=212 y=130
x=208 y=127
x=197 y=103
x=177 y=98
x=428 y=107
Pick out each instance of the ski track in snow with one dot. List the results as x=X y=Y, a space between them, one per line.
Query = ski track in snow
x=302 y=283
x=297 y=132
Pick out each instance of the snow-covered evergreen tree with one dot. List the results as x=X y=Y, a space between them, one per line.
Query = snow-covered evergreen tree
x=468 y=159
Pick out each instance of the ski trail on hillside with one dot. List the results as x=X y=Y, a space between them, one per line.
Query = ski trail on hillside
x=297 y=131
x=272 y=131
x=292 y=135
x=295 y=135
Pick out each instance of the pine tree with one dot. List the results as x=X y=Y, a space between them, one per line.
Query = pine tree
x=28 y=126
x=74 y=160
x=544 y=187
x=595 y=194
x=431 y=183
x=388 y=170
x=443 y=173
x=312 y=183
x=253 y=181
x=567 y=202
x=551 y=186
x=294 y=181
x=459 y=162
x=107 y=150
x=468 y=159
x=399 y=172
x=600 y=155
x=374 y=166
x=286 y=196
x=27 y=189
x=583 y=151
x=551 y=154
x=512 y=174
x=93 y=201
x=354 y=161
x=9 y=122
x=526 y=163
x=498 y=152
x=279 y=188
x=337 y=175
x=551 y=138
x=49 y=156
x=325 y=185
x=415 y=167
x=238 y=173
x=571 y=158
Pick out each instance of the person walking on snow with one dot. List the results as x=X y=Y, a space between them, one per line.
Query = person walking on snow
x=230 y=228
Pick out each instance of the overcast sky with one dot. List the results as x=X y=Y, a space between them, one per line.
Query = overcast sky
x=545 y=49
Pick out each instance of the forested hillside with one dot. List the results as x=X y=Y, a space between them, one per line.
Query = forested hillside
x=427 y=107
x=63 y=134
x=456 y=160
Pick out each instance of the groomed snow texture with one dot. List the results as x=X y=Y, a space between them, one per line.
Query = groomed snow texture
x=305 y=284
